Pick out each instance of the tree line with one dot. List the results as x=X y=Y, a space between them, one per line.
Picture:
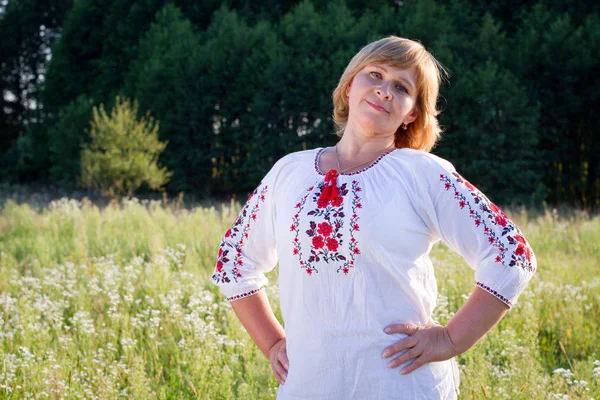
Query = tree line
x=238 y=84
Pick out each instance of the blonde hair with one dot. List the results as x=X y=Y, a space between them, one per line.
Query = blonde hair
x=397 y=52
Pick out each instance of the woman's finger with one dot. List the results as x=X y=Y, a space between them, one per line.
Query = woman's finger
x=407 y=327
x=400 y=345
x=283 y=358
x=419 y=362
x=277 y=376
x=279 y=371
x=408 y=355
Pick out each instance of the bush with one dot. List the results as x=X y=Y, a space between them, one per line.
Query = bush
x=123 y=152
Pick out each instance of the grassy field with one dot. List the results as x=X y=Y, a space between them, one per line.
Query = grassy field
x=117 y=303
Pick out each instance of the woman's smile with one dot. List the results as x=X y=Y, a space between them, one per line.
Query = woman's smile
x=378 y=108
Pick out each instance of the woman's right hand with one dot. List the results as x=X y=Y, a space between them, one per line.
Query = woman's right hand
x=279 y=361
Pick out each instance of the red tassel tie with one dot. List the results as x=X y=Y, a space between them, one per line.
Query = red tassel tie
x=330 y=191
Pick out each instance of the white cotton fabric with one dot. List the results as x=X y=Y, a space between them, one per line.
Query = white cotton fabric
x=395 y=210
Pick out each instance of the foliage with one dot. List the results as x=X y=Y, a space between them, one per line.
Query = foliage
x=66 y=138
x=28 y=28
x=238 y=84
x=123 y=152
x=167 y=78
x=554 y=59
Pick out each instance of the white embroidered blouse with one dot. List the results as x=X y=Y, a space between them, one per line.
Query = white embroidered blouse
x=355 y=260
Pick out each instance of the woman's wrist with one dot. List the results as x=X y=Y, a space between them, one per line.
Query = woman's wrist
x=474 y=319
x=256 y=316
x=453 y=347
x=268 y=353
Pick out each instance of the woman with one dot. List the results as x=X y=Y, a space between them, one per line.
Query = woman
x=352 y=227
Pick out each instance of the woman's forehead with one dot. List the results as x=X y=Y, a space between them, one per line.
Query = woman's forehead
x=391 y=69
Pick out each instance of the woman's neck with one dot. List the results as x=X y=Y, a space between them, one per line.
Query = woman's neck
x=352 y=146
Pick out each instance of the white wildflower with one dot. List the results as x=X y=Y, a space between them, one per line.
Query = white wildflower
x=82 y=321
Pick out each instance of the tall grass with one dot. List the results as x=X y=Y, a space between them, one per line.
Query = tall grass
x=117 y=303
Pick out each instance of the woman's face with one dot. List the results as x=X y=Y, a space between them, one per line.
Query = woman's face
x=381 y=99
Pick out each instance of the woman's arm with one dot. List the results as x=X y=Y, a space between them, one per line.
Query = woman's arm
x=464 y=219
x=474 y=319
x=256 y=315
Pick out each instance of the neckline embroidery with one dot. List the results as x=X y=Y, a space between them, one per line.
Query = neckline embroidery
x=327 y=229
x=318 y=157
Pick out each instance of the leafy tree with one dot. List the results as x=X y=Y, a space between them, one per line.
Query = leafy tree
x=99 y=40
x=492 y=127
x=493 y=134
x=555 y=59
x=65 y=140
x=169 y=78
x=123 y=152
x=245 y=62
x=75 y=57
x=28 y=29
x=237 y=84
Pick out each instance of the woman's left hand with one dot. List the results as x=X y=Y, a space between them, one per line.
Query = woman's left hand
x=425 y=343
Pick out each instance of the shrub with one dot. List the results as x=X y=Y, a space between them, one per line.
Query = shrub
x=123 y=152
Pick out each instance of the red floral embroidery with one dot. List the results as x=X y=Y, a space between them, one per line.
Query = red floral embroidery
x=324 y=228
x=337 y=202
x=239 y=230
x=485 y=212
x=317 y=242
x=332 y=244
x=327 y=235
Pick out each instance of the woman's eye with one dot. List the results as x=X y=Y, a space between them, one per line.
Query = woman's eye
x=399 y=87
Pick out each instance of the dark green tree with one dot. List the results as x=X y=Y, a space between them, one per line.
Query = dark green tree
x=492 y=127
x=65 y=140
x=28 y=29
x=556 y=60
x=169 y=77
x=238 y=84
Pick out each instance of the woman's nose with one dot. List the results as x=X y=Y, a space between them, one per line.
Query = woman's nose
x=383 y=91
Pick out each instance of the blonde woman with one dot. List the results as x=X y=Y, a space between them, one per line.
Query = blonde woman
x=352 y=226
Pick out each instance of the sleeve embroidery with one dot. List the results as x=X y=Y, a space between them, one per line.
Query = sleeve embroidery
x=247 y=294
x=234 y=241
x=485 y=214
x=495 y=293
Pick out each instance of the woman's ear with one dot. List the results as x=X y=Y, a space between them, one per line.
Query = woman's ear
x=414 y=114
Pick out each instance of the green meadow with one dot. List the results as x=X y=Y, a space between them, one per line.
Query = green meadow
x=116 y=302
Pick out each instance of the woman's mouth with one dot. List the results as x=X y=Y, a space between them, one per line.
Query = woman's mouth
x=376 y=106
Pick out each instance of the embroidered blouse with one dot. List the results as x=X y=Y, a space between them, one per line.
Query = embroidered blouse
x=356 y=259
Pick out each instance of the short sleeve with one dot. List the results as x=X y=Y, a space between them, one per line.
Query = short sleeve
x=474 y=227
x=248 y=250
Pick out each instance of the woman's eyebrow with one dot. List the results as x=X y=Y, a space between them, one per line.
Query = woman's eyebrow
x=409 y=83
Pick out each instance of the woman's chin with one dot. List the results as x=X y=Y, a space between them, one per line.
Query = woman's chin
x=373 y=125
